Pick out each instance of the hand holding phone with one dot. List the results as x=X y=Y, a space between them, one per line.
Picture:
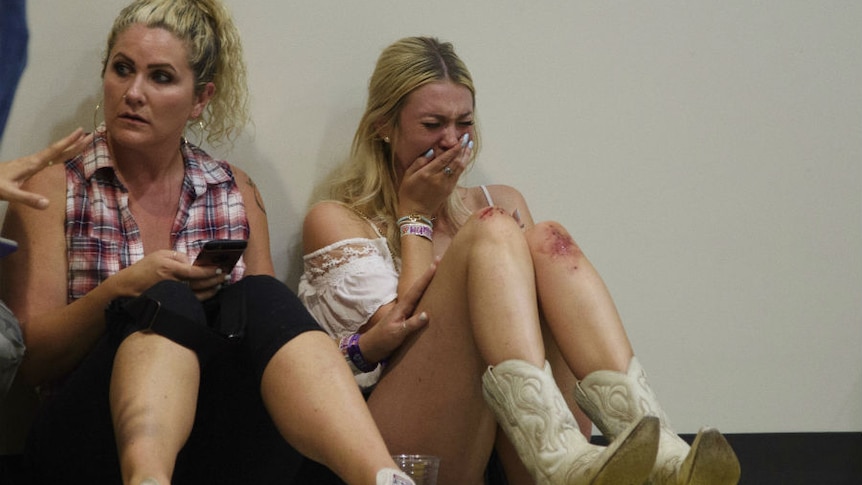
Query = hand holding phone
x=223 y=253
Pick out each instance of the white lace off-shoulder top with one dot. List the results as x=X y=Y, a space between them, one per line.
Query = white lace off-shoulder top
x=345 y=283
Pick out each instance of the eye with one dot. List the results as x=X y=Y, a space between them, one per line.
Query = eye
x=466 y=123
x=122 y=69
x=431 y=125
x=162 y=77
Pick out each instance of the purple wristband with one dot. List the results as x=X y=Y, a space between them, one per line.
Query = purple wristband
x=355 y=355
x=417 y=229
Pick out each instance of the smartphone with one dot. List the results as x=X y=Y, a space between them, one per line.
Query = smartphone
x=7 y=246
x=223 y=253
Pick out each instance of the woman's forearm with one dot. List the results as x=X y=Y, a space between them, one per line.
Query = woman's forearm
x=58 y=340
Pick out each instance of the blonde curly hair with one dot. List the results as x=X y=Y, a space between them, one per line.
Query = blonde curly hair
x=215 y=55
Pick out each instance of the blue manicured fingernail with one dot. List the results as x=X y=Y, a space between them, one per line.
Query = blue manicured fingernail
x=465 y=139
x=470 y=145
x=429 y=153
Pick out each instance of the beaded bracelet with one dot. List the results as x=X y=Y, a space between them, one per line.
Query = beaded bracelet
x=349 y=346
x=413 y=219
x=417 y=229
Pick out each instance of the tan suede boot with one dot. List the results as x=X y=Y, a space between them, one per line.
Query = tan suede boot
x=531 y=410
x=613 y=400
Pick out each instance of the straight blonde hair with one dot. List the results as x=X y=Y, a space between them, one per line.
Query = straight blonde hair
x=366 y=183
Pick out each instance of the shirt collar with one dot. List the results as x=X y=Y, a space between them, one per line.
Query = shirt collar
x=201 y=169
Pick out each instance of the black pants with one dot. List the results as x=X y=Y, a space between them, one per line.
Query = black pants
x=233 y=440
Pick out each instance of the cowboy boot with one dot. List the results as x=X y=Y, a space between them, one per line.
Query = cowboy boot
x=613 y=400
x=531 y=411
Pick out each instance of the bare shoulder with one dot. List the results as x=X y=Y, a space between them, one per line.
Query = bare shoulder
x=238 y=173
x=328 y=222
x=32 y=269
x=247 y=187
x=50 y=183
x=257 y=256
x=503 y=195
x=506 y=197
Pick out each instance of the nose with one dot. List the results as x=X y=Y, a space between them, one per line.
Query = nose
x=451 y=137
x=134 y=93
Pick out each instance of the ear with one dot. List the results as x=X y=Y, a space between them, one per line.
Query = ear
x=203 y=98
x=382 y=129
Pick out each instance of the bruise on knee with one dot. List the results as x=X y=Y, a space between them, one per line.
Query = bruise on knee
x=557 y=243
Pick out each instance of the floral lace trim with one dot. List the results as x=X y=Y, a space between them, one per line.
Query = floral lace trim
x=336 y=256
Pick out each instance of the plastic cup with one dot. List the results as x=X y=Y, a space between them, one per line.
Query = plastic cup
x=421 y=468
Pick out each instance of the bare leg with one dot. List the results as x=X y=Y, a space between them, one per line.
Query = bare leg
x=154 y=390
x=315 y=403
x=585 y=324
x=504 y=317
x=516 y=472
x=567 y=382
x=577 y=306
x=430 y=399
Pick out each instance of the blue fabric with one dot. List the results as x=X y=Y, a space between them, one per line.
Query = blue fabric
x=13 y=53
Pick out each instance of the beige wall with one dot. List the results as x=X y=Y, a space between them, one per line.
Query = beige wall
x=707 y=156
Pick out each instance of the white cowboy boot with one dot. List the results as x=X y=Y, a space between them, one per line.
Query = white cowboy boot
x=392 y=476
x=613 y=400
x=531 y=410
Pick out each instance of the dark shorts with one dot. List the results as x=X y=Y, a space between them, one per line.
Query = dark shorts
x=255 y=316
x=233 y=439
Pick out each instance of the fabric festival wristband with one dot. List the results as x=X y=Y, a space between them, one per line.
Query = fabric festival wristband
x=417 y=229
x=342 y=346
x=355 y=355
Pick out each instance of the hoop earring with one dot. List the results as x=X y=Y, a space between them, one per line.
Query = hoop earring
x=199 y=129
x=96 y=116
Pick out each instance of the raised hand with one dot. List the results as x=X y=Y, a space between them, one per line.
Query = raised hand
x=429 y=180
x=15 y=172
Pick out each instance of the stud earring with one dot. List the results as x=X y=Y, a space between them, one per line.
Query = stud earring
x=386 y=139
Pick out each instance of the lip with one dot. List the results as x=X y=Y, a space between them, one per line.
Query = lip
x=132 y=117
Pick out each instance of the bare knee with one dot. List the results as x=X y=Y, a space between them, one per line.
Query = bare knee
x=492 y=225
x=550 y=240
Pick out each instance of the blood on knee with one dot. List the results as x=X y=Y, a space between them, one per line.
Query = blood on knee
x=488 y=212
x=557 y=243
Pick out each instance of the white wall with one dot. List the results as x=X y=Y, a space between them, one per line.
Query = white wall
x=707 y=156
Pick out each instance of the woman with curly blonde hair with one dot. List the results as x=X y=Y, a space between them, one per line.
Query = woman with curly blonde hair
x=155 y=370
